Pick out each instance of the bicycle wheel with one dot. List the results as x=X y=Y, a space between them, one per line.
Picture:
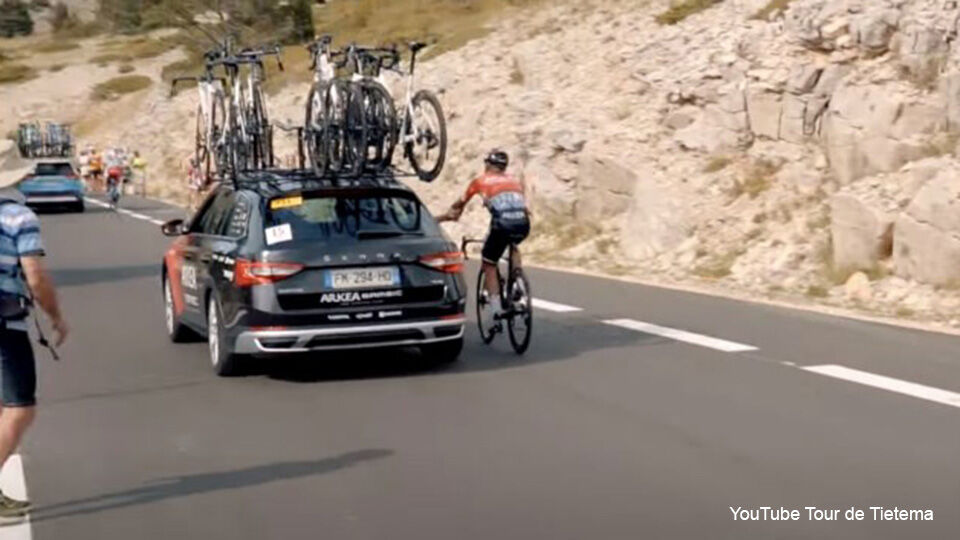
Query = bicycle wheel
x=382 y=117
x=315 y=128
x=336 y=98
x=263 y=151
x=428 y=149
x=201 y=150
x=357 y=132
x=220 y=143
x=520 y=323
x=485 y=321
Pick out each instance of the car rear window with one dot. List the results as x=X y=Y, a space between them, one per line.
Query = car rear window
x=54 y=169
x=340 y=218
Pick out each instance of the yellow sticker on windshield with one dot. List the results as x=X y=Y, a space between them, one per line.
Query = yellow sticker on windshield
x=286 y=202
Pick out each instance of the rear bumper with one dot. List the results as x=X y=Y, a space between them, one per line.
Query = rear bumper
x=59 y=198
x=301 y=340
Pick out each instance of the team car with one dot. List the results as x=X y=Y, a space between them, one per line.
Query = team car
x=53 y=183
x=280 y=262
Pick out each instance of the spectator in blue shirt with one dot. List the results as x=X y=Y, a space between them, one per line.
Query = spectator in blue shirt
x=22 y=276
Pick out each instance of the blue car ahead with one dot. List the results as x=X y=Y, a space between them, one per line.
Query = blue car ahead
x=53 y=183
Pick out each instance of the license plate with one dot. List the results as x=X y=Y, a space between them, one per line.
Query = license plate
x=363 y=278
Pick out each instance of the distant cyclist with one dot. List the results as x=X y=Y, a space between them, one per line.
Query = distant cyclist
x=505 y=198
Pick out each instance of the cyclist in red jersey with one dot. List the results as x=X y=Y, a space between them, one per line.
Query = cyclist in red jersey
x=505 y=198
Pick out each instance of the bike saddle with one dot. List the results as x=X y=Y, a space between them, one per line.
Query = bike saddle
x=416 y=45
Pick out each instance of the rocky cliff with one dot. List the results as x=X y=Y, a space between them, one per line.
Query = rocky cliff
x=804 y=150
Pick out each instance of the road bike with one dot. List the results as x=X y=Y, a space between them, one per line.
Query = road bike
x=210 y=136
x=325 y=123
x=233 y=132
x=516 y=298
x=422 y=130
x=372 y=116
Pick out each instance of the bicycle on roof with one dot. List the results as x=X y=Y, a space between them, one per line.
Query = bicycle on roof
x=233 y=130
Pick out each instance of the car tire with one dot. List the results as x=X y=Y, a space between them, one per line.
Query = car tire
x=176 y=331
x=79 y=207
x=443 y=352
x=225 y=362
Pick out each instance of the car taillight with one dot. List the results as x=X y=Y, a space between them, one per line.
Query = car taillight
x=248 y=273
x=450 y=262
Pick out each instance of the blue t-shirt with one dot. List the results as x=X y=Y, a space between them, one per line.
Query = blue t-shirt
x=19 y=237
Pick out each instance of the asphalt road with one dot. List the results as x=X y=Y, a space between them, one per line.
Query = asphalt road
x=600 y=432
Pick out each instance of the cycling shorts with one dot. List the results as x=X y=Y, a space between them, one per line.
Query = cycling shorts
x=501 y=237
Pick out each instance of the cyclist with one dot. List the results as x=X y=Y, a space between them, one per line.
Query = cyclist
x=505 y=198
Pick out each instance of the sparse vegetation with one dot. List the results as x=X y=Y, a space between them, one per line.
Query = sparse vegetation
x=126 y=68
x=925 y=75
x=56 y=67
x=758 y=178
x=718 y=266
x=772 y=10
x=57 y=45
x=905 y=312
x=681 y=9
x=104 y=59
x=516 y=74
x=817 y=291
x=15 y=73
x=716 y=164
x=119 y=86
x=941 y=144
x=15 y=19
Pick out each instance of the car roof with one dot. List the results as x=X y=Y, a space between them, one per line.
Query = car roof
x=270 y=183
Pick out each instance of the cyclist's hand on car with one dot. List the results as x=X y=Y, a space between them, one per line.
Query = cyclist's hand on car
x=62 y=331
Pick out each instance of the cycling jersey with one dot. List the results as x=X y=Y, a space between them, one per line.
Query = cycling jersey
x=503 y=196
x=509 y=224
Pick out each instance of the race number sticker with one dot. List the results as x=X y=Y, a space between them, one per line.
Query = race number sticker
x=287 y=202
x=188 y=276
x=280 y=233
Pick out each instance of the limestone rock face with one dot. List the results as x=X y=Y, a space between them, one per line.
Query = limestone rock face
x=927 y=239
x=862 y=231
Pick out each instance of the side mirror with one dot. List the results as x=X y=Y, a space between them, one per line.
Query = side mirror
x=174 y=227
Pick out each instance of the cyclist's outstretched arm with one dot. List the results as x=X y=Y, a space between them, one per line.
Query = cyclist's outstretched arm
x=456 y=209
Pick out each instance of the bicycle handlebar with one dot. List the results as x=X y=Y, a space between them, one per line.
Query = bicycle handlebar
x=466 y=242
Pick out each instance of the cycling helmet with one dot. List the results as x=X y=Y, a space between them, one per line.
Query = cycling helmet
x=498 y=159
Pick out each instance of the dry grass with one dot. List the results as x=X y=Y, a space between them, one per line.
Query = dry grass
x=926 y=75
x=119 y=86
x=941 y=144
x=104 y=59
x=817 y=291
x=718 y=266
x=905 y=312
x=772 y=10
x=681 y=9
x=516 y=74
x=125 y=68
x=56 y=67
x=716 y=164
x=758 y=178
x=15 y=73
x=54 y=46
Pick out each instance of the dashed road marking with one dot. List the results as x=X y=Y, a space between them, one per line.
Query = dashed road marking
x=554 y=306
x=14 y=484
x=681 y=335
x=928 y=393
x=124 y=211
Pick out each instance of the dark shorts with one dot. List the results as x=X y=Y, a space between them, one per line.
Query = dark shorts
x=500 y=238
x=18 y=371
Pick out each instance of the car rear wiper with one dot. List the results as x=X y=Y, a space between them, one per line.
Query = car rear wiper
x=369 y=235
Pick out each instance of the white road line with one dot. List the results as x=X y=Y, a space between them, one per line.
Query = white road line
x=97 y=202
x=13 y=484
x=929 y=393
x=681 y=335
x=553 y=306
